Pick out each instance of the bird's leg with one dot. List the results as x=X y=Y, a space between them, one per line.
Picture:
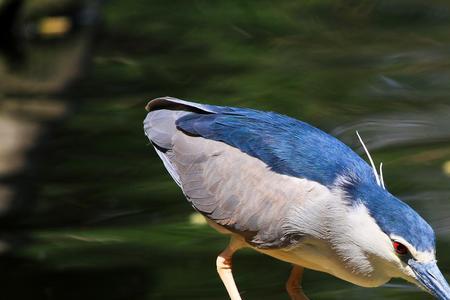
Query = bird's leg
x=293 y=284
x=223 y=263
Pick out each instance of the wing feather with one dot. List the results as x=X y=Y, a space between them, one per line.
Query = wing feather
x=229 y=186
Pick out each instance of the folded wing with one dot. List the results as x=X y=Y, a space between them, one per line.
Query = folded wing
x=230 y=168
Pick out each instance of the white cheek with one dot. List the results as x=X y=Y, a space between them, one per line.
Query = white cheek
x=362 y=243
x=367 y=232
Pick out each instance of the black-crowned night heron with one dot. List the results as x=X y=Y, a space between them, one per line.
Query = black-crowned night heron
x=291 y=191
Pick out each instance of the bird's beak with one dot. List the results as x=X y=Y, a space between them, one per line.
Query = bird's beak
x=431 y=279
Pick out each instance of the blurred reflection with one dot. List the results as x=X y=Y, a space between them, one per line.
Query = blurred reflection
x=44 y=44
x=22 y=125
x=395 y=129
x=87 y=211
x=43 y=47
x=54 y=26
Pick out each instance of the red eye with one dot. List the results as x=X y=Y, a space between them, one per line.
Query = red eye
x=400 y=248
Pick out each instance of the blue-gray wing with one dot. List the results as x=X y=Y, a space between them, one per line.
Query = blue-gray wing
x=230 y=187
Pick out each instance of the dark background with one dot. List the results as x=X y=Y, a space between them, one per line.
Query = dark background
x=87 y=210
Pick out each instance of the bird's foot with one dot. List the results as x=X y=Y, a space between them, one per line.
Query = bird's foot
x=293 y=286
x=224 y=268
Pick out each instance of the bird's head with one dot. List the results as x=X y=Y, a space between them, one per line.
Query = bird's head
x=388 y=237
x=413 y=251
x=394 y=238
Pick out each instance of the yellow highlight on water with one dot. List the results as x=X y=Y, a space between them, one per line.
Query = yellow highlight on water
x=197 y=219
x=54 y=26
x=446 y=167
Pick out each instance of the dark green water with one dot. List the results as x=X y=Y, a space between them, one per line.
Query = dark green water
x=108 y=222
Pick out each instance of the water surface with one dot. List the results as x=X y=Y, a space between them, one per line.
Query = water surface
x=107 y=221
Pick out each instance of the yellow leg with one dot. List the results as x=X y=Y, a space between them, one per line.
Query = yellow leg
x=293 y=285
x=224 y=268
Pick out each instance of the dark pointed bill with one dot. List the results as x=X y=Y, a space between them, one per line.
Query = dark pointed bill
x=431 y=278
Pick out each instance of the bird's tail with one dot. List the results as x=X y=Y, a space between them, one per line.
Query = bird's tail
x=160 y=127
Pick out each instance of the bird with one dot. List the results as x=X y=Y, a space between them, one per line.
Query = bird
x=289 y=190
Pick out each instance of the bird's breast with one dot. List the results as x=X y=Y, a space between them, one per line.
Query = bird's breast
x=318 y=255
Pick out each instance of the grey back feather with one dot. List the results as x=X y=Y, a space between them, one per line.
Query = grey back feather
x=231 y=188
